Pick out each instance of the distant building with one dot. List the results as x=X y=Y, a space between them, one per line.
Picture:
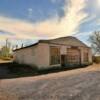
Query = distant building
x=65 y=51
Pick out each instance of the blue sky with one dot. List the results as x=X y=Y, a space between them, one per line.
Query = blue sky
x=26 y=21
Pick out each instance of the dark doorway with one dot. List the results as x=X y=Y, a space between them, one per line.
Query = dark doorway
x=63 y=60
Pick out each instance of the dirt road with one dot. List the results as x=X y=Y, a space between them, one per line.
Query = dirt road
x=79 y=84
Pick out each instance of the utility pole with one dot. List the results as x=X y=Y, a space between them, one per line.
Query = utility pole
x=22 y=45
x=6 y=43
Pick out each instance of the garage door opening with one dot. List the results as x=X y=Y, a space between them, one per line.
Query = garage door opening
x=73 y=56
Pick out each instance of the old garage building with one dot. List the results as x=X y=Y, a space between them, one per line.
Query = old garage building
x=65 y=52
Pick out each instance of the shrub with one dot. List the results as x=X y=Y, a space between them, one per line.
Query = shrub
x=96 y=59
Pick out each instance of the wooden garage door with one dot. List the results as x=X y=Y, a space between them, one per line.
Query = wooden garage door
x=73 y=56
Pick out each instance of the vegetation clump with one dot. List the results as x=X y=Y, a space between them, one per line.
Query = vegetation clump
x=96 y=59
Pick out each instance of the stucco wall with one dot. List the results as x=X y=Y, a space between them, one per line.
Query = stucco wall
x=36 y=55
x=90 y=56
x=63 y=50
x=42 y=57
x=88 y=50
x=26 y=56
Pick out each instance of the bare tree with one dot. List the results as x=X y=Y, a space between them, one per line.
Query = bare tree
x=6 y=49
x=95 y=42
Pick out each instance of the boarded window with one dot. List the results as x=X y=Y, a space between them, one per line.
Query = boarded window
x=55 y=55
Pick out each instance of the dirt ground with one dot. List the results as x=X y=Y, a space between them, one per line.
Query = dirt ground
x=79 y=84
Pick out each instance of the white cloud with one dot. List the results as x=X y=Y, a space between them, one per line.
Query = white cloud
x=30 y=12
x=54 y=1
x=50 y=28
x=19 y=29
x=89 y=18
x=98 y=4
x=67 y=25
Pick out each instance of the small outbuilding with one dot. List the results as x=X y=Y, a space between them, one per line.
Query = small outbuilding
x=65 y=52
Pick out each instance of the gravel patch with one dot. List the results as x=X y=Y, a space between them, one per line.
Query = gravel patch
x=79 y=84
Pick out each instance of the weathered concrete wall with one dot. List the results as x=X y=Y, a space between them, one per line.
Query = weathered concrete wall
x=36 y=55
x=90 y=56
x=42 y=55
x=63 y=50
x=26 y=56
x=88 y=50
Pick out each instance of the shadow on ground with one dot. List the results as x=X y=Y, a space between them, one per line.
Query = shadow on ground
x=14 y=70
